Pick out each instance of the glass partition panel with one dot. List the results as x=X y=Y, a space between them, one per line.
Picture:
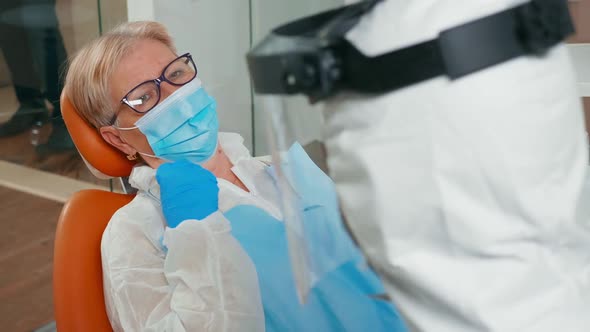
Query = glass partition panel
x=39 y=165
x=580 y=11
x=36 y=38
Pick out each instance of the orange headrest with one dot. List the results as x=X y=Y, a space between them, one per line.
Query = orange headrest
x=94 y=149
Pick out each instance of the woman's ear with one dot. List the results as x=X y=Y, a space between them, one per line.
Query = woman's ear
x=113 y=137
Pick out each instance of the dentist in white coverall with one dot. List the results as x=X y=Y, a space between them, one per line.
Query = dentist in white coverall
x=468 y=196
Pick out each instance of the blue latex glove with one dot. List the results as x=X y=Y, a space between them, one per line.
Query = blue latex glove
x=187 y=191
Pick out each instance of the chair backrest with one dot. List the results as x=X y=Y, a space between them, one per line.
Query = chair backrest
x=77 y=269
x=96 y=152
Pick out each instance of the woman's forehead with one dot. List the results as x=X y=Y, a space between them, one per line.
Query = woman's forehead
x=145 y=61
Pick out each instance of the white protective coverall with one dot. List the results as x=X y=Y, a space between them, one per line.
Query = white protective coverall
x=205 y=281
x=467 y=195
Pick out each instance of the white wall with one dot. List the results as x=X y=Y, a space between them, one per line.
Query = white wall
x=138 y=10
x=580 y=54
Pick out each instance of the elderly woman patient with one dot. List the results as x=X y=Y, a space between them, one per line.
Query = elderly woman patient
x=202 y=246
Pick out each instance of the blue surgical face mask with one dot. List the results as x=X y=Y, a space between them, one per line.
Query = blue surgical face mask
x=183 y=126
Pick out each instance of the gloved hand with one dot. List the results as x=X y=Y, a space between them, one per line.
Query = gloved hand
x=187 y=191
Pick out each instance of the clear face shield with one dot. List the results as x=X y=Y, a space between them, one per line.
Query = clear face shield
x=317 y=240
x=308 y=197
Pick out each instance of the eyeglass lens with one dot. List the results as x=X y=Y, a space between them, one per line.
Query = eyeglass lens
x=145 y=96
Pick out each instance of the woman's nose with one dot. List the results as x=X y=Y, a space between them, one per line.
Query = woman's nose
x=166 y=89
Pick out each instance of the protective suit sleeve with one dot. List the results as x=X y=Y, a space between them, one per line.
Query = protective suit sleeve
x=205 y=282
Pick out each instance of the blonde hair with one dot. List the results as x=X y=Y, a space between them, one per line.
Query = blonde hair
x=88 y=78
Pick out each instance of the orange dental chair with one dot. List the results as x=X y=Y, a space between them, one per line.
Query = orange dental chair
x=77 y=270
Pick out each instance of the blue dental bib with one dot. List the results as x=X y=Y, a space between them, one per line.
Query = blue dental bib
x=343 y=299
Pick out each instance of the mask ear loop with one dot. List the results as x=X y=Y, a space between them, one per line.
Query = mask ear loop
x=124 y=128
x=134 y=156
x=154 y=156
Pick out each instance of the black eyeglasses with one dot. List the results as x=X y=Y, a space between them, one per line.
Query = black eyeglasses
x=146 y=95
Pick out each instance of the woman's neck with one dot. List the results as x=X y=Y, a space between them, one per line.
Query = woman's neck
x=221 y=166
